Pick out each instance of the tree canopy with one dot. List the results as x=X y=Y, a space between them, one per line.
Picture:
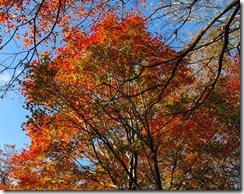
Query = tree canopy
x=132 y=95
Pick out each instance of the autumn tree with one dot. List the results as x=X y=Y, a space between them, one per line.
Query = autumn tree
x=115 y=106
x=107 y=113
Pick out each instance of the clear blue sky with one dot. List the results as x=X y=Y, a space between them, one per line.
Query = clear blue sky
x=12 y=115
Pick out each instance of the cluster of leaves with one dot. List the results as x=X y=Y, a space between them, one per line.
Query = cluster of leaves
x=33 y=25
x=27 y=27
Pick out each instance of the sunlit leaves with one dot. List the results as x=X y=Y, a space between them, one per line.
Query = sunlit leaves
x=117 y=108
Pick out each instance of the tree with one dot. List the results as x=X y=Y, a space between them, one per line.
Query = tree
x=107 y=113
x=223 y=109
x=116 y=107
x=6 y=155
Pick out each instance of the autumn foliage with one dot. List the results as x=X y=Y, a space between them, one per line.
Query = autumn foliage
x=117 y=108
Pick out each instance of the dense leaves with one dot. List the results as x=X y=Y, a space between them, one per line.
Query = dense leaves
x=107 y=116
x=116 y=107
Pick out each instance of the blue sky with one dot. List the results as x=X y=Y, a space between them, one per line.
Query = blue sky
x=12 y=115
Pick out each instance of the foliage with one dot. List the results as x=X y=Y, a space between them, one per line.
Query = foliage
x=118 y=107
x=30 y=27
x=105 y=120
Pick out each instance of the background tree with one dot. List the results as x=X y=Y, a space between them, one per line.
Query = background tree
x=6 y=155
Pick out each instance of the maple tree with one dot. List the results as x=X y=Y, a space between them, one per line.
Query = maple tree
x=105 y=118
x=117 y=107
